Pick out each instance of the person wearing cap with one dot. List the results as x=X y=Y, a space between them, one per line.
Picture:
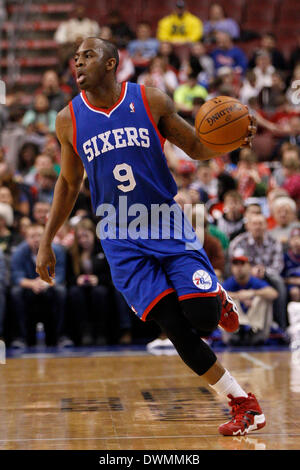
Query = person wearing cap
x=180 y=26
x=254 y=298
x=266 y=258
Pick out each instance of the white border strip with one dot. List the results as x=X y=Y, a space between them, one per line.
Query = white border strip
x=101 y=112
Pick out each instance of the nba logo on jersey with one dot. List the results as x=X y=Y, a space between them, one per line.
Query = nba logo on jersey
x=132 y=108
x=202 y=280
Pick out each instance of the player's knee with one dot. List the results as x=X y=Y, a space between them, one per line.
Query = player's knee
x=203 y=313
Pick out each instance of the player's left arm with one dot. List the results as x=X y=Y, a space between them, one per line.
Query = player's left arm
x=175 y=129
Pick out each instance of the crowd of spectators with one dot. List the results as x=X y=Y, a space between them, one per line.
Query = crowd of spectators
x=251 y=196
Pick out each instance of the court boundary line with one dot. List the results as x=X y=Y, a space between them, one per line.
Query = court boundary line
x=256 y=361
x=114 y=438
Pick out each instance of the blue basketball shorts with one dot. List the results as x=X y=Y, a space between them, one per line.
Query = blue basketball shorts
x=145 y=271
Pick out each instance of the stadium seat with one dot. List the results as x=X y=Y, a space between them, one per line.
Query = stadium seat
x=42 y=8
x=30 y=44
x=255 y=13
x=31 y=61
x=31 y=26
x=259 y=26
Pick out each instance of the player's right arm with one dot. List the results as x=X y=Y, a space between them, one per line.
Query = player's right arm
x=65 y=194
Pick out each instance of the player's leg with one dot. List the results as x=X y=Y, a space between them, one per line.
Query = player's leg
x=169 y=315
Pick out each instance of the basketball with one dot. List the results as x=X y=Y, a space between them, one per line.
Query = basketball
x=222 y=123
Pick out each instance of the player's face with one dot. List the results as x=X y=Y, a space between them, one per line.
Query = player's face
x=91 y=65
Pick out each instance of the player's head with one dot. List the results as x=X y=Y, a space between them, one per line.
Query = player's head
x=95 y=60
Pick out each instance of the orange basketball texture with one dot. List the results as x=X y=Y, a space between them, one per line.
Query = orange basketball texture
x=222 y=123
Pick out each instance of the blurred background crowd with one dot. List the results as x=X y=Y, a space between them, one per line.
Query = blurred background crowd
x=192 y=51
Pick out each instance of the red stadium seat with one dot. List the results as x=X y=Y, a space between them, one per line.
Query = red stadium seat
x=259 y=26
x=31 y=61
x=255 y=13
x=36 y=8
x=31 y=44
x=32 y=26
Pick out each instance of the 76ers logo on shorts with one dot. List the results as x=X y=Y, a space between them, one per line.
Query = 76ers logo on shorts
x=202 y=280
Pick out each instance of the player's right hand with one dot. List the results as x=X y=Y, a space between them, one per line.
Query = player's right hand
x=45 y=264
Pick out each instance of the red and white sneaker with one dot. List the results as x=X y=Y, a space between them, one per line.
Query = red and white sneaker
x=247 y=416
x=229 y=320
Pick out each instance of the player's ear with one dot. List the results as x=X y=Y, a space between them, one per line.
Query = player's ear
x=111 y=63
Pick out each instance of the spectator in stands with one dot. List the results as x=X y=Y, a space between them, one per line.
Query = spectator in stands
x=46 y=179
x=263 y=70
x=290 y=160
x=78 y=27
x=180 y=26
x=26 y=159
x=254 y=299
x=13 y=135
x=40 y=212
x=126 y=68
x=144 y=47
x=13 y=195
x=285 y=215
x=159 y=76
x=3 y=12
x=121 y=32
x=3 y=285
x=266 y=257
x=215 y=206
x=185 y=94
x=41 y=162
x=9 y=237
x=206 y=180
x=268 y=44
x=217 y=21
x=232 y=220
x=88 y=279
x=252 y=177
x=227 y=54
x=166 y=50
x=23 y=224
x=248 y=89
x=272 y=195
x=293 y=136
x=201 y=63
x=40 y=119
x=32 y=299
x=51 y=88
x=270 y=97
x=291 y=269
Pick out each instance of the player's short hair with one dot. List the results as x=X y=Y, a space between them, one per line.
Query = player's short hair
x=235 y=195
x=110 y=49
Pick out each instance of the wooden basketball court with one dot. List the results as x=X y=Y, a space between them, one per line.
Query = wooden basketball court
x=144 y=402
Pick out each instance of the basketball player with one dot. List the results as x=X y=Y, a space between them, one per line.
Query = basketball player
x=116 y=133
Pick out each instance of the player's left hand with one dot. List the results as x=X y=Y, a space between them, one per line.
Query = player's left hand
x=252 y=128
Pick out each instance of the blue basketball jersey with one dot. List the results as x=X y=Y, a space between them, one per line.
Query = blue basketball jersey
x=122 y=150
